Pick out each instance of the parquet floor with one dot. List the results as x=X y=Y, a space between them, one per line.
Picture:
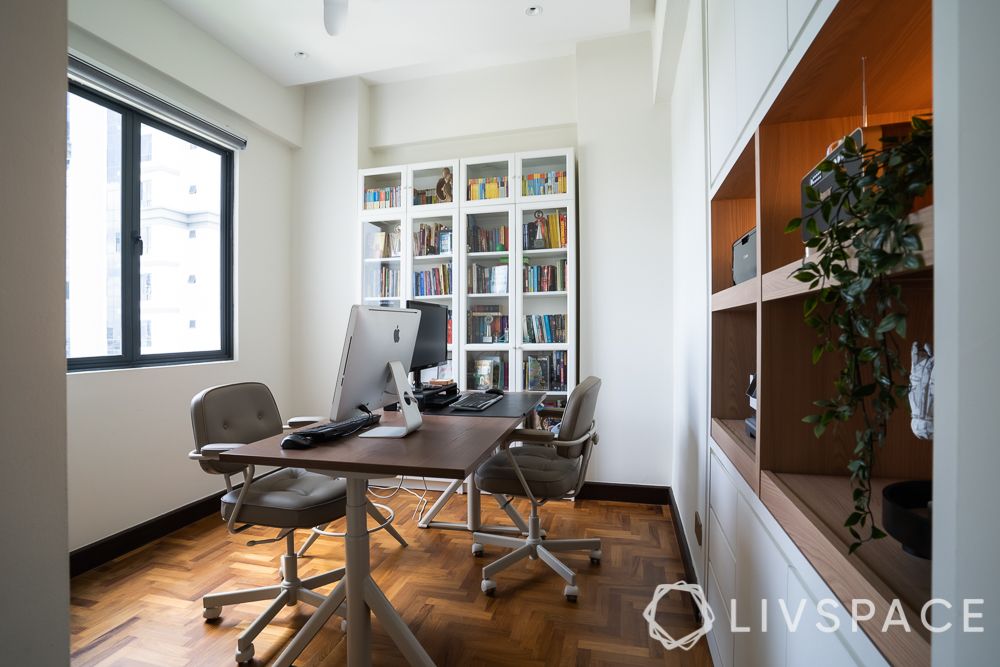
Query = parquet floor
x=145 y=607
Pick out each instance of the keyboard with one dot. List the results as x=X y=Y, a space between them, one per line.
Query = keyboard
x=334 y=430
x=478 y=401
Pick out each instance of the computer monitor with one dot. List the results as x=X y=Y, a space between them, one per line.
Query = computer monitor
x=378 y=348
x=431 y=349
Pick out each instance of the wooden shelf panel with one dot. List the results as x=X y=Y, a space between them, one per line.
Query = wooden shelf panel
x=743 y=295
x=812 y=509
x=780 y=284
x=731 y=436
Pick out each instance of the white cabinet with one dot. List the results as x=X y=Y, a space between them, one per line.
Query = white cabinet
x=761 y=580
x=807 y=644
x=798 y=12
x=761 y=44
x=722 y=127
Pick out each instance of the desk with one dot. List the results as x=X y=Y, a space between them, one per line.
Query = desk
x=445 y=446
x=513 y=404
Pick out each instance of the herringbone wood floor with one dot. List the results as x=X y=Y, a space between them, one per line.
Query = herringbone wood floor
x=145 y=607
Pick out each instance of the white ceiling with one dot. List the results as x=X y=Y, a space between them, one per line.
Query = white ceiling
x=392 y=40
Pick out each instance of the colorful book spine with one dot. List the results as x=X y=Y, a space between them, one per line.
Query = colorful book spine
x=544 y=183
x=435 y=281
x=493 y=187
x=545 y=328
x=389 y=197
x=545 y=277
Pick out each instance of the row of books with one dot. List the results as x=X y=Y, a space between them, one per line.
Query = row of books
x=488 y=279
x=493 y=187
x=488 y=372
x=544 y=328
x=487 y=324
x=434 y=239
x=428 y=196
x=385 y=244
x=485 y=239
x=545 y=277
x=544 y=183
x=384 y=281
x=545 y=372
x=545 y=231
x=435 y=281
x=389 y=197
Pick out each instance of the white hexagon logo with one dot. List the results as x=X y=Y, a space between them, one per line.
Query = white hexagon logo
x=688 y=641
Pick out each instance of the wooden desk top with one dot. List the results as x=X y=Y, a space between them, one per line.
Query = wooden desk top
x=445 y=446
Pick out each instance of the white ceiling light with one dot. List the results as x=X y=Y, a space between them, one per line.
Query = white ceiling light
x=334 y=15
x=534 y=10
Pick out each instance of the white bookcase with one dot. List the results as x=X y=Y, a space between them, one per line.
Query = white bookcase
x=485 y=232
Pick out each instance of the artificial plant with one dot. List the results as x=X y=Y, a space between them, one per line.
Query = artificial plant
x=858 y=312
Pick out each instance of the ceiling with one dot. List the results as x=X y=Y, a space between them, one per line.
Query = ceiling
x=392 y=40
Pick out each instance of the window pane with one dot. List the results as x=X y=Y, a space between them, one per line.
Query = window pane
x=93 y=229
x=180 y=211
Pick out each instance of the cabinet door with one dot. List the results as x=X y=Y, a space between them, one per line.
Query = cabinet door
x=720 y=27
x=807 y=644
x=798 y=12
x=761 y=574
x=761 y=45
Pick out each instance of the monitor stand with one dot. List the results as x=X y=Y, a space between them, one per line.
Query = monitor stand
x=407 y=406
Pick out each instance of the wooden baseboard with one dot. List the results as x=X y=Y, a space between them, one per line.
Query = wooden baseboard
x=100 y=552
x=690 y=574
x=625 y=493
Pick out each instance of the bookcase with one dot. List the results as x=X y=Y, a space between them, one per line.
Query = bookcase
x=757 y=325
x=501 y=255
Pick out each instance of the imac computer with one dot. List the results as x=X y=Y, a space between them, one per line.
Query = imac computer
x=378 y=350
x=431 y=349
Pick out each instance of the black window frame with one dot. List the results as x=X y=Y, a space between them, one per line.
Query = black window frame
x=131 y=247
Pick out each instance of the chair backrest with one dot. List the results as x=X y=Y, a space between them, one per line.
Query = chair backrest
x=241 y=412
x=579 y=415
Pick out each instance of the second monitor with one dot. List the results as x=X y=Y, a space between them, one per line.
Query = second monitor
x=431 y=348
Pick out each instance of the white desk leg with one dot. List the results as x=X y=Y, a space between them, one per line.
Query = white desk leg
x=426 y=520
x=394 y=626
x=359 y=622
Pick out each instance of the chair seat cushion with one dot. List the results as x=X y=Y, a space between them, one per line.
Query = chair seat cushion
x=290 y=498
x=548 y=475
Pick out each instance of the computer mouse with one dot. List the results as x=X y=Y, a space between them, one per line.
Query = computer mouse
x=495 y=390
x=296 y=441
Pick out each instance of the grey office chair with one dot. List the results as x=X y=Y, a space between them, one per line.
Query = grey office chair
x=224 y=418
x=549 y=466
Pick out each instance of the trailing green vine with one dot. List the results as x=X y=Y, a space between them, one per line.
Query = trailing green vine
x=857 y=311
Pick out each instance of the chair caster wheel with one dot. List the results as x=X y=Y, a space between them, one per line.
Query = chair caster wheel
x=477 y=549
x=246 y=655
x=212 y=612
x=343 y=626
x=595 y=557
x=571 y=592
x=489 y=587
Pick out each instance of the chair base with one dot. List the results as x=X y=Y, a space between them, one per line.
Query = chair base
x=288 y=593
x=534 y=547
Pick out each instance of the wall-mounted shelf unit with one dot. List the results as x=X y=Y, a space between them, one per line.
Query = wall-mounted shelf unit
x=757 y=325
x=502 y=257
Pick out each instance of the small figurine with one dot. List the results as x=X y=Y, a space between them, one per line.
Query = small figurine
x=444 y=186
x=539 y=241
x=922 y=391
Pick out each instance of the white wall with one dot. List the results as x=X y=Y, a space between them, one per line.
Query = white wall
x=493 y=100
x=326 y=270
x=966 y=235
x=130 y=430
x=155 y=34
x=690 y=276
x=34 y=607
x=625 y=277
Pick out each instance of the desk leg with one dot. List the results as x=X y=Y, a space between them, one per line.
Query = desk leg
x=425 y=521
x=359 y=622
x=394 y=626
x=474 y=510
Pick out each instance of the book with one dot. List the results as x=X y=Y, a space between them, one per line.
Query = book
x=388 y=197
x=536 y=373
x=544 y=183
x=487 y=279
x=544 y=328
x=545 y=277
x=493 y=187
x=488 y=372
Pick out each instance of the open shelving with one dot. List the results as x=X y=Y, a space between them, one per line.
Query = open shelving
x=487 y=180
x=758 y=324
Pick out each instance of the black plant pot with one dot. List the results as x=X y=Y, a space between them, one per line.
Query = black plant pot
x=906 y=516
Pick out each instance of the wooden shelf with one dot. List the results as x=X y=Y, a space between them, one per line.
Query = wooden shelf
x=780 y=284
x=731 y=436
x=743 y=295
x=812 y=509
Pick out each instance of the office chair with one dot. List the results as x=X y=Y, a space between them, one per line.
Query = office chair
x=224 y=418
x=549 y=466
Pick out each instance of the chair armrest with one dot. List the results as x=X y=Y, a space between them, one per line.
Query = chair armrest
x=211 y=452
x=299 y=422
x=551 y=412
x=531 y=435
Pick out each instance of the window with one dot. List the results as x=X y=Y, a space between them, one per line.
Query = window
x=111 y=313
